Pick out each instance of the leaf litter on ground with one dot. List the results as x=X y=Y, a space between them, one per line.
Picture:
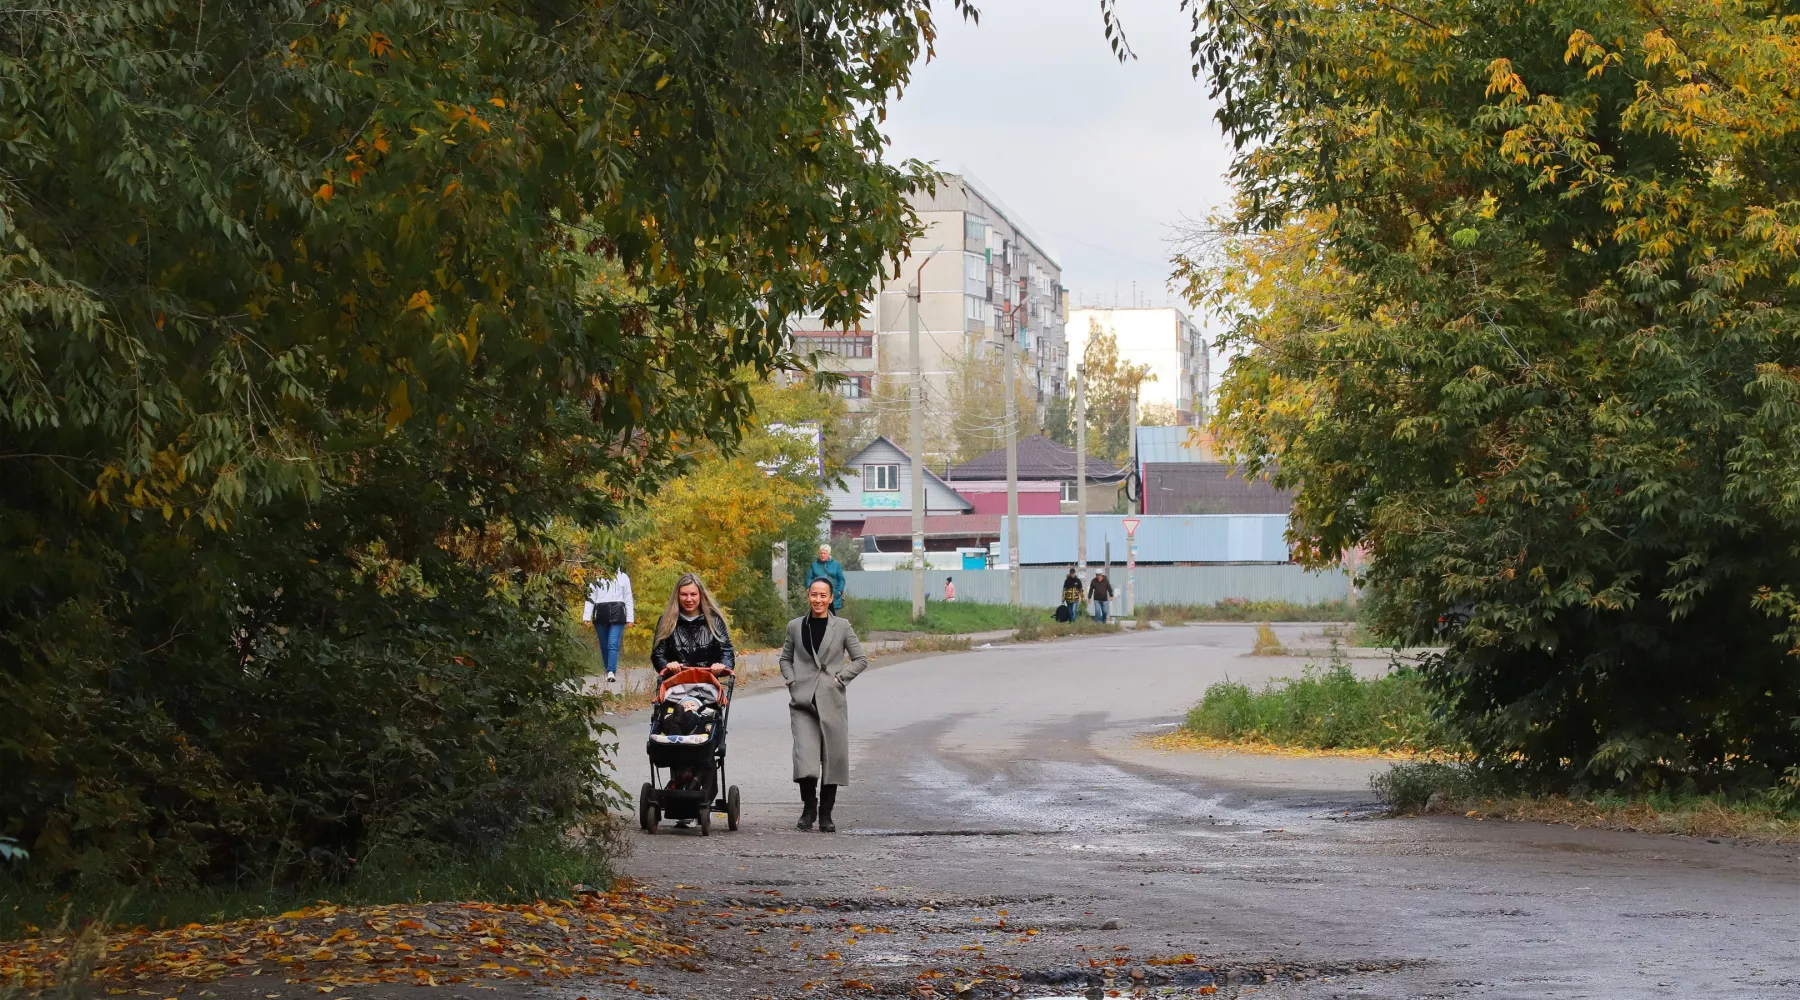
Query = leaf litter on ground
x=432 y=944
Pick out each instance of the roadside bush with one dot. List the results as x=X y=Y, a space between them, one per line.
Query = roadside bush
x=1238 y=609
x=1326 y=709
x=1408 y=788
x=1267 y=644
x=1030 y=627
x=256 y=744
x=759 y=616
x=846 y=549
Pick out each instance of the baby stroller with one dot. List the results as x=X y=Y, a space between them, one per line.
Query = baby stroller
x=687 y=740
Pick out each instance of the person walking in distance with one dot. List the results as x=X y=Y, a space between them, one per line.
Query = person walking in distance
x=609 y=606
x=692 y=632
x=1100 y=592
x=821 y=657
x=827 y=569
x=949 y=589
x=1071 y=594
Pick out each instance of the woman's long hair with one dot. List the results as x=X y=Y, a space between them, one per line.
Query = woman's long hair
x=708 y=610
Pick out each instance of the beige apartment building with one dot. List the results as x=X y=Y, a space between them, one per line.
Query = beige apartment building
x=976 y=264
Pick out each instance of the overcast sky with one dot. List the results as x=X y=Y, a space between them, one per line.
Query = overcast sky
x=1099 y=158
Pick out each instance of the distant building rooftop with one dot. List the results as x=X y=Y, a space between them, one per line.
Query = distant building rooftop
x=1039 y=458
x=1209 y=488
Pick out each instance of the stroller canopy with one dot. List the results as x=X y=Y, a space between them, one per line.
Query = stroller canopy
x=694 y=682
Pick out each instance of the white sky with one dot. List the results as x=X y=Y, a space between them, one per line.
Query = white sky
x=1099 y=158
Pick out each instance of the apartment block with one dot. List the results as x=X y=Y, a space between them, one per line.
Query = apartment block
x=979 y=272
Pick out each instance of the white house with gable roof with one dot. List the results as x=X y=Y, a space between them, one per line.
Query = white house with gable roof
x=880 y=482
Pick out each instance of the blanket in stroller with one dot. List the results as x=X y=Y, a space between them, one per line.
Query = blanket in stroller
x=687 y=713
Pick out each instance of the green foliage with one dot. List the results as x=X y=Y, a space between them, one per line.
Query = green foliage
x=895 y=615
x=1030 y=625
x=1111 y=381
x=846 y=549
x=1408 y=788
x=759 y=614
x=330 y=336
x=1516 y=295
x=977 y=423
x=1328 y=709
x=1053 y=629
x=1059 y=419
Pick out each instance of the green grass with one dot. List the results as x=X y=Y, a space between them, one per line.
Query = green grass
x=869 y=614
x=1326 y=708
x=520 y=872
x=1240 y=610
x=1766 y=815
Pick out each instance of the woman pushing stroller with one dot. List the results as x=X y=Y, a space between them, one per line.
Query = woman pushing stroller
x=692 y=632
x=819 y=660
x=694 y=660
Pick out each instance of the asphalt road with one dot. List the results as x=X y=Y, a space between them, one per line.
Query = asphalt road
x=1003 y=814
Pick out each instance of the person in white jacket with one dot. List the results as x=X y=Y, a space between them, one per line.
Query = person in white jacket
x=610 y=608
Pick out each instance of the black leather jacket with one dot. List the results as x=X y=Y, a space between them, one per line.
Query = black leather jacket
x=694 y=644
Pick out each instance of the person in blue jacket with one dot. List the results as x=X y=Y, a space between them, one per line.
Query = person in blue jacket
x=827 y=569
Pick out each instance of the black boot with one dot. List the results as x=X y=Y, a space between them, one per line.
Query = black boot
x=809 y=803
x=827 y=799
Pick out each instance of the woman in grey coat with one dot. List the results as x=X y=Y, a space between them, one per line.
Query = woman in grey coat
x=819 y=660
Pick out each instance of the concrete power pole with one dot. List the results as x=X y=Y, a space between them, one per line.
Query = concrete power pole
x=1012 y=464
x=916 y=431
x=1131 y=445
x=1131 y=452
x=1081 y=468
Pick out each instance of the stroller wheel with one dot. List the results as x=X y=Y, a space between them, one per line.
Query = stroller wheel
x=706 y=820
x=732 y=808
x=646 y=799
x=652 y=819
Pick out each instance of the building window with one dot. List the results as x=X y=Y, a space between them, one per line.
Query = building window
x=881 y=478
x=844 y=345
x=855 y=387
x=1069 y=492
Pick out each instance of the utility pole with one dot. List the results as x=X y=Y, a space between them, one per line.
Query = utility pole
x=1131 y=539
x=1131 y=444
x=916 y=417
x=1081 y=469
x=1012 y=454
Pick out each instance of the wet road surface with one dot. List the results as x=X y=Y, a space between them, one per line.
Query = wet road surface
x=1005 y=824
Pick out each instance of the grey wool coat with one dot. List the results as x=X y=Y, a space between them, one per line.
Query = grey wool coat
x=818 y=708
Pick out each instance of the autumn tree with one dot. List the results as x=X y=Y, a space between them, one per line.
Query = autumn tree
x=1516 y=291
x=973 y=419
x=722 y=518
x=322 y=326
x=1111 y=383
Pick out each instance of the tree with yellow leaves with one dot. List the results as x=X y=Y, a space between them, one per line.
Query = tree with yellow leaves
x=1517 y=288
